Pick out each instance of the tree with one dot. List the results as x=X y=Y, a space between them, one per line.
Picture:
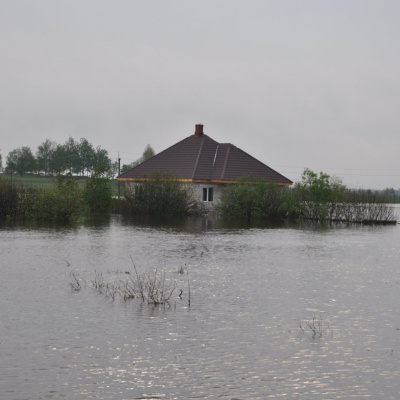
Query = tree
x=11 y=162
x=147 y=154
x=315 y=197
x=71 y=147
x=101 y=157
x=389 y=194
x=44 y=156
x=87 y=156
x=21 y=160
x=60 y=158
x=1 y=163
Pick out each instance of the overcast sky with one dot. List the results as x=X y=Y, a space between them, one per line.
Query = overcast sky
x=295 y=84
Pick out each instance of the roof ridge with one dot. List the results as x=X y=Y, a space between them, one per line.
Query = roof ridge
x=215 y=156
x=198 y=157
x=226 y=160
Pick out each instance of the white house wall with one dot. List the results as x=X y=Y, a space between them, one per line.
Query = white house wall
x=198 y=189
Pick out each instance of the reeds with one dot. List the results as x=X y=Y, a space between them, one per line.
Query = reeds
x=150 y=287
x=75 y=284
x=153 y=287
x=314 y=324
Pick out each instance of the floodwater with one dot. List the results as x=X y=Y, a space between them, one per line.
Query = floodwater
x=276 y=312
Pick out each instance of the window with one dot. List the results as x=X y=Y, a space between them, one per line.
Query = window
x=208 y=194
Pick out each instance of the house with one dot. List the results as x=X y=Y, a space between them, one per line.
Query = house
x=205 y=163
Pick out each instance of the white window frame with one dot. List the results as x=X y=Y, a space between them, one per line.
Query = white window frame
x=207 y=194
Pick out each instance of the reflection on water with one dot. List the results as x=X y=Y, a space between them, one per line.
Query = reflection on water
x=255 y=293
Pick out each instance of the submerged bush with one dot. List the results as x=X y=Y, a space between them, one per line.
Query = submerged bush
x=8 y=199
x=251 y=198
x=17 y=200
x=318 y=197
x=315 y=197
x=97 y=193
x=61 y=203
x=365 y=206
x=321 y=197
x=160 y=194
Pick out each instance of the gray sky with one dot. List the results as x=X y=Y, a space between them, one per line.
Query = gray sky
x=295 y=84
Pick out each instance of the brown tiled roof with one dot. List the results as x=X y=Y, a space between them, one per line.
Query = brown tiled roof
x=199 y=158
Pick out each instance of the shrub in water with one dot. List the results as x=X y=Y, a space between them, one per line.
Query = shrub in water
x=8 y=199
x=251 y=198
x=97 y=193
x=160 y=194
x=62 y=203
x=315 y=197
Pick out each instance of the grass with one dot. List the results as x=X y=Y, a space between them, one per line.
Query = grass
x=46 y=182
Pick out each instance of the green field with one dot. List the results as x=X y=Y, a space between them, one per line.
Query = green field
x=46 y=182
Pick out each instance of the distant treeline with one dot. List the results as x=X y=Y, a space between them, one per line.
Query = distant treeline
x=78 y=158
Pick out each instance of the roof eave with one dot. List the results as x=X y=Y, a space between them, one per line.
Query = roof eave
x=209 y=181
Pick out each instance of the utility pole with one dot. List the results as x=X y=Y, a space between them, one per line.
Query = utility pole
x=119 y=172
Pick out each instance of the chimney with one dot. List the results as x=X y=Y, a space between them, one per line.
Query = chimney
x=199 y=130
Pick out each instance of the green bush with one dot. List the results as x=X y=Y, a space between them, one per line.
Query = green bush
x=160 y=194
x=251 y=198
x=28 y=198
x=97 y=193
x=316 y=197
x=61 y=203
x=8 y=199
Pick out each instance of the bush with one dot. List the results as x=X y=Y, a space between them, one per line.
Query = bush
x=321 y=197
x=62 y=203
x=315 y=197
x=8 y=199
x=365 y=206
x=97 y=193
x=251 y=198
x=160 y=194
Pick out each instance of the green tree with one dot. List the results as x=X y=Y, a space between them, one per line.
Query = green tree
x=316 y=197
x=21 y=160
x=60 y=158
x=71 y=149
x=97 y=193
x=11 y=162
x=101 y=157
x=389 y=194
x=147 y=154
x=87 y=156
x=44 y=156
x=127 y=167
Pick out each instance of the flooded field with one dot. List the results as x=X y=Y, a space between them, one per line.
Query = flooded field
x=293 y=311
